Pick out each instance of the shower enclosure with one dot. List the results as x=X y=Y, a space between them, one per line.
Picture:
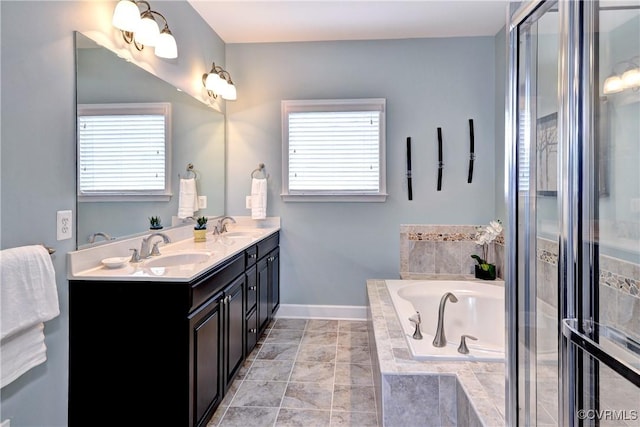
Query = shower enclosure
x=573 y=185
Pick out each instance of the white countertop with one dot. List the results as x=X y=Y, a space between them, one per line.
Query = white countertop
x=86 y=264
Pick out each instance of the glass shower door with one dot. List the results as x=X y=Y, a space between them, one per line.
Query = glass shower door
x=601 y=329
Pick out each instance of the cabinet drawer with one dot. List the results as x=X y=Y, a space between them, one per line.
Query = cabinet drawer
x=205 y=288
x=251 y=255
x=252 y=289
x=268 y=244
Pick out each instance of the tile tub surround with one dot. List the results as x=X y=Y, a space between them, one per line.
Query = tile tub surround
x=446 y=393
x=444 y=250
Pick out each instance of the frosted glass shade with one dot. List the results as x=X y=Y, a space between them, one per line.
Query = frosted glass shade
x=230 y=93
x=126 y=16
x=631 y=78
x=613 y=84
x=213 y=82
x=166 y=46
x=147 y=32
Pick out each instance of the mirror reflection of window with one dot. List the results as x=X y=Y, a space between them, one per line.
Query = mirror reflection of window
x=122 y=151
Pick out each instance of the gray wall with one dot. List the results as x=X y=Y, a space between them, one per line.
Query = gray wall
x=330 y=249
x=38 y=151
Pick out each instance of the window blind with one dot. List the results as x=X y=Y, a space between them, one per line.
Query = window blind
x=334 y=151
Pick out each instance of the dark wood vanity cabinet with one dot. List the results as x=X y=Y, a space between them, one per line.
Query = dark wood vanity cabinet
x=165 y=353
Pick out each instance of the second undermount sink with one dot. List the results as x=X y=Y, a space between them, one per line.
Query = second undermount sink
x=181 y=258
x=244 y=233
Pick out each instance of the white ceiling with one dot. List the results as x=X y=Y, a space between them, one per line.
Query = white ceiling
x=261 y=21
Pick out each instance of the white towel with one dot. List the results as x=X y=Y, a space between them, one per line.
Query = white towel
x=27 y=288
x=20 y=352
x=258 y=198
x=188 y=198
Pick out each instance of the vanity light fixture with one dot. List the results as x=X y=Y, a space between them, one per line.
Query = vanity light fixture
x=218 y=82
x=141 y=28
x=629 y=79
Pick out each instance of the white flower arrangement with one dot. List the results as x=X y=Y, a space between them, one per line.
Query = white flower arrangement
x=484 y=236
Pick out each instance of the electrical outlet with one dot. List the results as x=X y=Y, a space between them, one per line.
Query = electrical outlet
x=635 y=205
x=202 y=202
x=247 y=202
x=64 y=227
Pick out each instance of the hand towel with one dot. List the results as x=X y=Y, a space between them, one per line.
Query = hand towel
x=188 y=198
x=27 y=288
x=20 y=352
x=258 y=198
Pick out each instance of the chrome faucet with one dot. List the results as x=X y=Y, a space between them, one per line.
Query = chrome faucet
x=440 y=339
x=105 y=236
x=144 y=247
x=416 y=319
x=221 y=226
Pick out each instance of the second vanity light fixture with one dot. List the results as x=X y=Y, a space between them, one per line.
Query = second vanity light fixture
x=218 y=82
x=141 y=28
x=629 y=79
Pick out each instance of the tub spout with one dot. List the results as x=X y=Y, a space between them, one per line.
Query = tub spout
x=440 y=339
x=417 y=335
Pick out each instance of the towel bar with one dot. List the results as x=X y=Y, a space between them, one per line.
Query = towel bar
x=189 y=171
x=259 y=169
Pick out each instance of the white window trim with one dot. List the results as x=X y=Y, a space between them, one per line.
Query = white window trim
x=373 y=104
x=163 y=108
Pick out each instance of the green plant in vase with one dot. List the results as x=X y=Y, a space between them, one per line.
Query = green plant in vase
x=485 y=236
x=155 y=223
x=200 y=229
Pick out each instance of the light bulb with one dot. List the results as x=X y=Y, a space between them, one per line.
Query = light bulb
x=147 y=32
x=613 y=84
x=126 y=16
x=166 y=46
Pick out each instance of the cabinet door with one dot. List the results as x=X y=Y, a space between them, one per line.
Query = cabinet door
x=206 y=344
x=252 y=331
x=274 y=281
x=234 y=328
x=264 y=311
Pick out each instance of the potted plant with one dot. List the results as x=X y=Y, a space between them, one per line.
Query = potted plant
x=200 y=229
x=484 y=269
x=155 y=223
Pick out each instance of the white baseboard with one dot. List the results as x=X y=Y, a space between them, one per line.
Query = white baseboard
x=339 y=312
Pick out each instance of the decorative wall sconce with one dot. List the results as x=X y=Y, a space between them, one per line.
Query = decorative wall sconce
x=629 y=79
x=218 y=82
x=141 y=28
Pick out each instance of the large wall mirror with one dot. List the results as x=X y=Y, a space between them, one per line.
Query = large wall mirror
x=197 y=135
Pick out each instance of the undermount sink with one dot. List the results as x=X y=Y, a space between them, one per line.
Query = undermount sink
x=249 y=233
x=182 y=258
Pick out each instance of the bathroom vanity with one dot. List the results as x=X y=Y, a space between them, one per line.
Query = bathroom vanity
x=148 y=349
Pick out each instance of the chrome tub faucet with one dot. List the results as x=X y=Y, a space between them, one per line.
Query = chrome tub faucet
x=440 y=339
x=416 y=319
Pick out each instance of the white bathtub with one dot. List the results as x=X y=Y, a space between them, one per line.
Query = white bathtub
x=479 y=312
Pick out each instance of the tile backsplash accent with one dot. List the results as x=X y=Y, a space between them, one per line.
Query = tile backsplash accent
x=443 y=250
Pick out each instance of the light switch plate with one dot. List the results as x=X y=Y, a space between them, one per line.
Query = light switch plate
x=64 y=225
x=202 y=202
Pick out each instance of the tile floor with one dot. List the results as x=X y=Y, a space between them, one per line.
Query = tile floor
x=309 y=373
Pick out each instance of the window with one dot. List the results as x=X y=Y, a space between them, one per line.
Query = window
x=334 y=150
x=124 y=152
